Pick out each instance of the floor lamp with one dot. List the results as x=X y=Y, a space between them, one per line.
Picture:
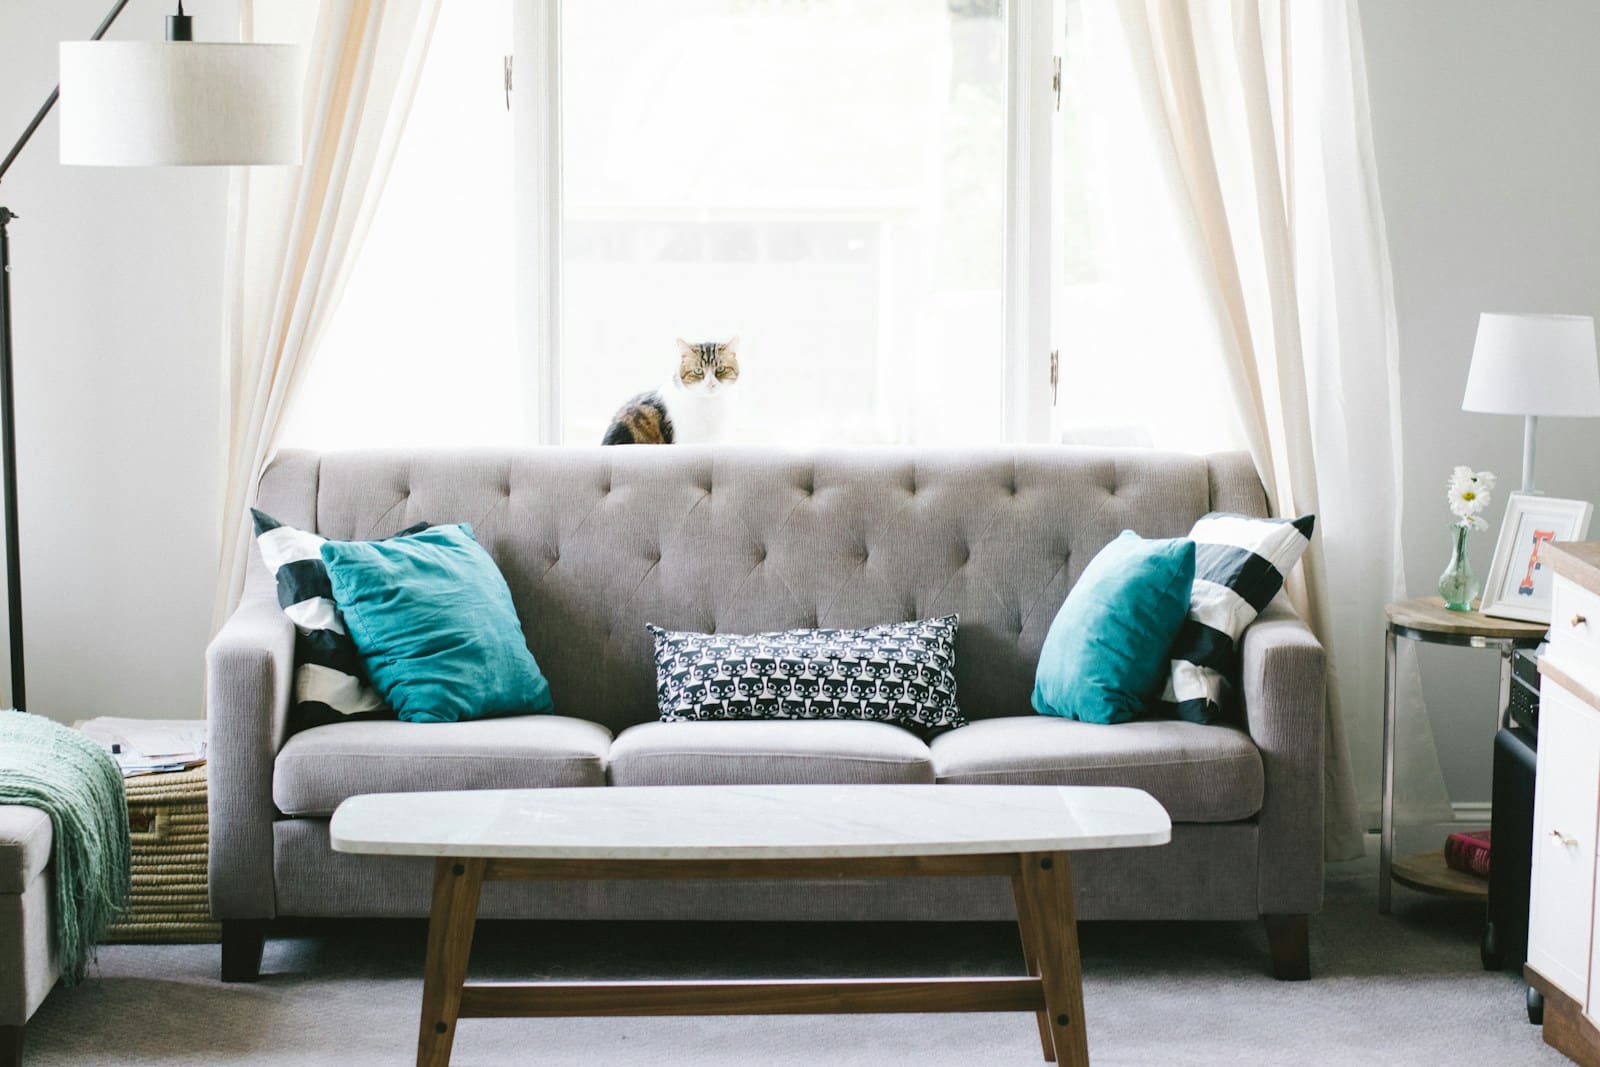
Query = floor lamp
x=168 y=103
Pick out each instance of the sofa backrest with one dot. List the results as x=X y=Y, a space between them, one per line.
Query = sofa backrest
x=597 y=542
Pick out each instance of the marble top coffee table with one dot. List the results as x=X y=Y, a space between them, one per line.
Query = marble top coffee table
x=1022 y=832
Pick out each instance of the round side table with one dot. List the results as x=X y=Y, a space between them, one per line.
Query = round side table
x=1427 y=620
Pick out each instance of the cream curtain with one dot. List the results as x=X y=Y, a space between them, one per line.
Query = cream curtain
x=293 y=233
x=1254 y=115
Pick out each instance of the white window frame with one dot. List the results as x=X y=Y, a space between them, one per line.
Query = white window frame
x=1027 y=300
x=536 y=112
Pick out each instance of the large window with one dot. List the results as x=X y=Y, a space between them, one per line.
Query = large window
x=825 y=180
x=882 y=198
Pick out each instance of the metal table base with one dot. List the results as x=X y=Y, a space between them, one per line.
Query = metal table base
x=1506 y=646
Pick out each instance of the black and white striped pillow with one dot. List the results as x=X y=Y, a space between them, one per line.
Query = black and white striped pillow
x=330 y=681
x=1240 y=565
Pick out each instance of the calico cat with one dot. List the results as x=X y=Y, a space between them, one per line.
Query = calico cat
x=693 y=407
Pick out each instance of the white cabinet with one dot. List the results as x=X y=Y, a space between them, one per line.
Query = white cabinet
x=1564 y=838
x=1564 y=912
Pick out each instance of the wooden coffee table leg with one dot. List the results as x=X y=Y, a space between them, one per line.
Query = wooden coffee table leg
x=1047 y=884
x=455 y=912
x=1030 y=957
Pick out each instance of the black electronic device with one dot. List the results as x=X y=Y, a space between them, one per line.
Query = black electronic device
x=1525 y=690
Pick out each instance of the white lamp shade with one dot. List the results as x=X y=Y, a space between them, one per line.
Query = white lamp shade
x=179 y=103
x=1534 y=365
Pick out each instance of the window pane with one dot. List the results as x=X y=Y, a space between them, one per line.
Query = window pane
x=421 y=349
x=824 y=179
x=1141 y=360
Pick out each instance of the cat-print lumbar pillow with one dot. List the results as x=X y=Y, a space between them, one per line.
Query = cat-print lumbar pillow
x=695 y=406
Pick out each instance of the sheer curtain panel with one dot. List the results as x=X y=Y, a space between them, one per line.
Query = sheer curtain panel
x=1255 y=113
x=293 y=233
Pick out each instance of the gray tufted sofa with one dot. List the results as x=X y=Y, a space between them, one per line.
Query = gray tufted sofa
x=595 y=542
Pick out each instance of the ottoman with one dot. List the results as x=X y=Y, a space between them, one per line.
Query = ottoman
x=27 y=957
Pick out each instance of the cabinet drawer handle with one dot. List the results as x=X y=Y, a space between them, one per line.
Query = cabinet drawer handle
x=1578 y=620
x=1563 y=840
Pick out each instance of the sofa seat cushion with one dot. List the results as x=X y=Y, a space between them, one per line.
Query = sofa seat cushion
x=771 y=752
x=320 y=767
x=1198 y=773
x=24 y=846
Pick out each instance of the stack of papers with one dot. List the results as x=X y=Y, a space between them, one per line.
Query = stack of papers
x=150 y=746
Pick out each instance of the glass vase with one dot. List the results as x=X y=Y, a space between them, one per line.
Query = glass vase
x=1458 y=585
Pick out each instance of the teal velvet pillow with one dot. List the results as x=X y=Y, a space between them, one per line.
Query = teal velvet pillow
x=433 y=620
x=1105 y=657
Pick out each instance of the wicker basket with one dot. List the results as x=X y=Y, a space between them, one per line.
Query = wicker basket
x=171 y=845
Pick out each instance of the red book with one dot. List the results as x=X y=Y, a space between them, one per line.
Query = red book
x=1468 y=852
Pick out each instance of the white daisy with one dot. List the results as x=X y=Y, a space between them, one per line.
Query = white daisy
x=1467 y=500
x=1469 y=493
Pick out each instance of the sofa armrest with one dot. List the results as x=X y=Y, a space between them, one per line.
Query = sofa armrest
x=249 y=681
x=1283 y=679
x=25 y=838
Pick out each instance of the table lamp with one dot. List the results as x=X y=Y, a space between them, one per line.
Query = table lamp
x=1533 y=365
x=168 y=103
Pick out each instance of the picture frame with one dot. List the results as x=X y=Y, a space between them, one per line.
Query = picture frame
x=1518 y=585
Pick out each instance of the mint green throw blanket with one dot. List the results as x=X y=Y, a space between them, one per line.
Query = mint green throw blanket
x=61 y=772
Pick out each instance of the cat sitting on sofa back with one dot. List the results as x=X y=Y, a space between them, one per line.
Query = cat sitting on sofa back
x=695 y=406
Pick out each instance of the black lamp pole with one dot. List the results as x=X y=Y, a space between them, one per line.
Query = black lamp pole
x=8 y=467
x=8 y=409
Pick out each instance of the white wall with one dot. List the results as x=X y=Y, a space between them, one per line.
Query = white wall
x=1489 y=157
x=116 y=286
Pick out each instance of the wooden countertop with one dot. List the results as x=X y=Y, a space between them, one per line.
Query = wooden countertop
x=1577 y=561
x=1429 y=615
x=1552 y=670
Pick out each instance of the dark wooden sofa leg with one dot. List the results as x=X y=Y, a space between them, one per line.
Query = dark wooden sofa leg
x=242 y=942
x=1289 y=937
x=11 y=1045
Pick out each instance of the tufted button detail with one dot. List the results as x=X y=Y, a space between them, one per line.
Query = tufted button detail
x=761 y=553
x=966 y=555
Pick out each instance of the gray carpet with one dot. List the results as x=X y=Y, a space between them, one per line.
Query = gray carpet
x=1403 y=989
